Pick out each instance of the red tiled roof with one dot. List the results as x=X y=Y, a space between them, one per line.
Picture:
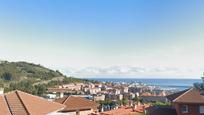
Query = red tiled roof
x=38 y=105
x=119 y=111
x=4 y=110
x=77 y=103
x=15 y=104
x=173 y=96
x=191 y=96
x=20 y=103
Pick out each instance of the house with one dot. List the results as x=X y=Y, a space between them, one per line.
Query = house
x=91 y=85
x=99 y=97
x=111 y=96
x=125 y=89
x=21 y=103
x=188 y=102
x=116 y=91
x=98 y=85
x=77 y=105
x=72 y=86
x=175 y=95
x=50 y=96
x=94 y=90
x=163 y=110
x=132 y=95
x=61 y=91
x=120 y=97
x=147 y=99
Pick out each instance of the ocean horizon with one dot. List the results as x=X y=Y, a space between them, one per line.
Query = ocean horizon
x=178 y=84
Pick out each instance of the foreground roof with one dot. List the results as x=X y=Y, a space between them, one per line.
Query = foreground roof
x=3 y=106
x=176 y=95
x=74 y=103
x=21 y=103
x=191 y=96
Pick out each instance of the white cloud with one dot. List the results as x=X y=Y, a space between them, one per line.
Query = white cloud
x=150 y=72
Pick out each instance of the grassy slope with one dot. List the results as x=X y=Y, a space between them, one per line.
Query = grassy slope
x=24 y=70
x=36 y=74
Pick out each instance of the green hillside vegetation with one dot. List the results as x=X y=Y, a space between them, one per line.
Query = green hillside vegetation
x=31 y=78
x=18 y=71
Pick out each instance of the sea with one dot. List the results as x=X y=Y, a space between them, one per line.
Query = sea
x=166 y=84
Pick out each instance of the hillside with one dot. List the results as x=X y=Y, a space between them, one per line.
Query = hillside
x=18 y=71
x=31 y=78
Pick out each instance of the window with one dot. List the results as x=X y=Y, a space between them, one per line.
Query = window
x=184 y=109
x=201 y=109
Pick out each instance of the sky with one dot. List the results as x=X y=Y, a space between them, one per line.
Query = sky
x=136 y=38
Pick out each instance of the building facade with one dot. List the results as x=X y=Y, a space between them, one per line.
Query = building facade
x=188 y=102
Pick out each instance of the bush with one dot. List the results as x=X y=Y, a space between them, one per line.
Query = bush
x=161 y=104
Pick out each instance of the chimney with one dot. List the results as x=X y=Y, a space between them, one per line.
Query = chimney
x=1 y=90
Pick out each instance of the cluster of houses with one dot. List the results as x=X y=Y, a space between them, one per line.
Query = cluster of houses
x=21 y=103
x=82 y=99
x=101 y=91
x=108 y=91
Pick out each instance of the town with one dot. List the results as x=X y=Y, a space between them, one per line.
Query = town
x=102 y=99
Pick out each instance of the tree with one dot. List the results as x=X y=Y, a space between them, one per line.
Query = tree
x=125 y=101
x=119 y=102
x=199 y=86
x=7 y=76
x=41 y=89
x=1 y=83
x=25 y=86
x=136 y=99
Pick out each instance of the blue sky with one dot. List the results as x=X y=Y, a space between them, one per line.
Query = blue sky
x=97 y=37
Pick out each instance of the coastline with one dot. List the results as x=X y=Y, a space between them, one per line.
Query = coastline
x=179 y=84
